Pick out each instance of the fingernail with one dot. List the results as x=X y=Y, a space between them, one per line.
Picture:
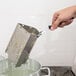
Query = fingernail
x=52 y=28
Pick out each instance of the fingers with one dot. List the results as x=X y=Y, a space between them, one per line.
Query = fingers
x=65 y=23
x=56 y=23
x=60 y=23
x=55 y=16
x=69 y=21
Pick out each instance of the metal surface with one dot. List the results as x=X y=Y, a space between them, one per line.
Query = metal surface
x=21 y=43
x=59 y=71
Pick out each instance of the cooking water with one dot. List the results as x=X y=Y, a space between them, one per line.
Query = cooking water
x=18 y=72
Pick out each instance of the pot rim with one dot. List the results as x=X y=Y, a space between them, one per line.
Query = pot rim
x=36 y=70
x=29 y=59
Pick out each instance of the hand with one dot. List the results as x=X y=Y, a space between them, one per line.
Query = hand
x=63 y=17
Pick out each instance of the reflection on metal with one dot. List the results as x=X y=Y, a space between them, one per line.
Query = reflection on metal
x=21 y=43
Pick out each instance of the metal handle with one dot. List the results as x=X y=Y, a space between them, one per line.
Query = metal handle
x=40 y=33
x=49 y=73
x=49 y=26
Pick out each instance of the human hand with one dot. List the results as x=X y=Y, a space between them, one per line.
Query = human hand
x=63 y=17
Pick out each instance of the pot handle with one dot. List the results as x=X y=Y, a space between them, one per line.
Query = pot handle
x=49 y=73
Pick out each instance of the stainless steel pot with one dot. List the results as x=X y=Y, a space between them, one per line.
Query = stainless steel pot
x=30 y=68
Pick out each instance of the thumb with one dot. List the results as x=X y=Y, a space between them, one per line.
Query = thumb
x=56 y=24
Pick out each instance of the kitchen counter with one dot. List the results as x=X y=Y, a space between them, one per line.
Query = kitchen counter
x=58 y=71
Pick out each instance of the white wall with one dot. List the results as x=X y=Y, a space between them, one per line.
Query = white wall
x=52 y=48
